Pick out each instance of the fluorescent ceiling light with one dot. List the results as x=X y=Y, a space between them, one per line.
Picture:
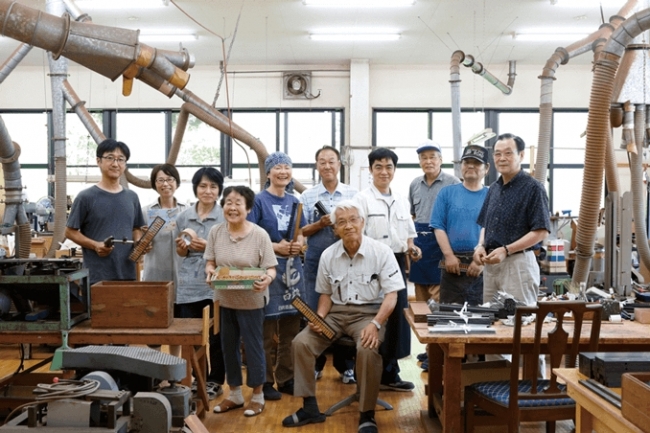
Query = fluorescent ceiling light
x=344 y=37
x=359 y=3
x=168 y=37
x=120 y=4
x=548 y=37
x=588 y=3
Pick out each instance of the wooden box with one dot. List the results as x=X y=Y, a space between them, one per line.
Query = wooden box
x=132 y=304
x=420 y=310
x=635 y=399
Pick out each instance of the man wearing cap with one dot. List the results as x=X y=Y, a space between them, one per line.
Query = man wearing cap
x=515 y=220
x=454 y=223
x=422 y=194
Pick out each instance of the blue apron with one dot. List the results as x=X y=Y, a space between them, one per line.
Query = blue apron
x=316 y=244
x=285 y=287
x=397 y=340
x=425 y=270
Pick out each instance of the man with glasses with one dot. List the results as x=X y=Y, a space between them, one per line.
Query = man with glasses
x=514 y=220
x=103 y=210
x=359 y=281
x=454 y=223
x=318 y=202
x=389 y=222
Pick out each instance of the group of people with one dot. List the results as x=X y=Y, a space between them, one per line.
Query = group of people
x=463 y=241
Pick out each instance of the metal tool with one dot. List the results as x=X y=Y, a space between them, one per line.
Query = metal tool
x=109 y=241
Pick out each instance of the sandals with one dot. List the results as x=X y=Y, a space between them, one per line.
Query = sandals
x=301 y=418
x=226 y=406
x=253 y=409
x=369 y=426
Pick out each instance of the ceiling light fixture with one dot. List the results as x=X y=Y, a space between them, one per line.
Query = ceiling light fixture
x=359 y=3
x=362 y=37
x=168 y=37
x=548 y=37
x=120 y=4
x=586 y=3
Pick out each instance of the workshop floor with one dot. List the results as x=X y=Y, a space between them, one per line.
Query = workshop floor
x=405 y=417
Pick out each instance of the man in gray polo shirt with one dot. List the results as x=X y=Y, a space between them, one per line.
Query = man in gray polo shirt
x=422 y=195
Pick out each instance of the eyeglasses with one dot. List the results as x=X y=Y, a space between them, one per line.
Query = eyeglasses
x=343 y=223
x=111 y=159
x=162 y=181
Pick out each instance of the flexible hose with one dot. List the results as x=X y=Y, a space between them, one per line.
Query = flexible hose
x=24 y=240
x=597 y=131
x=638 y=187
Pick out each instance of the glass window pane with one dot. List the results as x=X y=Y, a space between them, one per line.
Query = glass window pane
x=470 y=123
x=29 y=130
x=402 y=132
x=144 y=133
x=201 y=144
x=263 y=127
x=306 y=133
x=35 y=179
x=567 y=198
x=80 y=148
x=524 y=125
x=568 y=145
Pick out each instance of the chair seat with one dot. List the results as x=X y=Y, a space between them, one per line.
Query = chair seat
x=500 y=393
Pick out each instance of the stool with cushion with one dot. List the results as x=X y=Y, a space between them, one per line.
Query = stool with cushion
x=348 y=341
x=533 y=399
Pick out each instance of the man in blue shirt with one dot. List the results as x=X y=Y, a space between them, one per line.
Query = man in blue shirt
x=515 y=220
x=454 y=223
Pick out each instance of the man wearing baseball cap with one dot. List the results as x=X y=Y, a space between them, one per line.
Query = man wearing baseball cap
x=422 y=194
x=454 y=223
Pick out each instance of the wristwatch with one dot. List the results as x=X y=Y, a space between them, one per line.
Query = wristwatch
x=377 y=324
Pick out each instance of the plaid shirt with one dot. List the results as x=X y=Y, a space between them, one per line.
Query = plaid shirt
x=310 y=197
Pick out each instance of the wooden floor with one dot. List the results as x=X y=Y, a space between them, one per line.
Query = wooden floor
x=404 y=418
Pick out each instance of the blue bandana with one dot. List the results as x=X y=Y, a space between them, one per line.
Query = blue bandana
x=276 y=158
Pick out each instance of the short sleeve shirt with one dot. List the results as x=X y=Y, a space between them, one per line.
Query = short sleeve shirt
x=363 y=279
x=514 y=209
x=422 y=195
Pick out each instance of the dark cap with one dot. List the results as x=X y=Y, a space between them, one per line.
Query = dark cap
x=474 y=151
x=428 y=145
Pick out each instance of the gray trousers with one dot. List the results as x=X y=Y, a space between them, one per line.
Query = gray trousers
x=517 y=275
x=347 y=320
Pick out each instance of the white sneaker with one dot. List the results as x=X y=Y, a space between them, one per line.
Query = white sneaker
x=318 y=374
x=348 y=377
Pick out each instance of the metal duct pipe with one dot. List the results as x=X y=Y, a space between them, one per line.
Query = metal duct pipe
x=58 y=74
x=77 y=14
x=456 y=58
x=109 y=51
x=597 y=130
x=638 y=187
x=627 y=138
x=15 y=214
x=79 y=108
x=14 y=59
x=478 y=69
x=561 y=56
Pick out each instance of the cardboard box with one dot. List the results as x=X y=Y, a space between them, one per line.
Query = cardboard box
x=642 y=315
x=132 y=304
x=635 y=399
x=236 y=278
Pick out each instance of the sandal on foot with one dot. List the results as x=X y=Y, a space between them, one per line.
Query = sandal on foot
x=301 y=418
x=368 y=427
x=253 y=409
x=226 y=405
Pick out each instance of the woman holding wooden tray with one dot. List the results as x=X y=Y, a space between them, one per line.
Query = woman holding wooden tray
x=238 y=243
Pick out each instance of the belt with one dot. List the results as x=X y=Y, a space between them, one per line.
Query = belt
x=511 y=254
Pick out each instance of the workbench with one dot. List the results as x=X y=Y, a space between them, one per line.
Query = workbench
x=190 y=334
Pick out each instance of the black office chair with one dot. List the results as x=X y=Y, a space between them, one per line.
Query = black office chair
x=349 y=342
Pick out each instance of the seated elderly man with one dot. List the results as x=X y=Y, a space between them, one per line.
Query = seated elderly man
x=358 y=280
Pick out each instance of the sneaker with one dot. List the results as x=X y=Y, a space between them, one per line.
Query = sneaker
x=400 y=385
x=425 y=365
x=318 y=374
x=422 y=356
x=270 y=393
x=347 y=377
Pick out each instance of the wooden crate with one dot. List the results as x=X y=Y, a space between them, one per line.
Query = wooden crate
x=132 y=304
x=635 y=399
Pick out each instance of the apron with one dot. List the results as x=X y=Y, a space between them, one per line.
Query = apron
x=397 y=340
x=318 y=242
x=425 y=270
x=288 y=284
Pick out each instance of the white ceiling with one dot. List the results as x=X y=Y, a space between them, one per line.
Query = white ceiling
x=276 y=32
